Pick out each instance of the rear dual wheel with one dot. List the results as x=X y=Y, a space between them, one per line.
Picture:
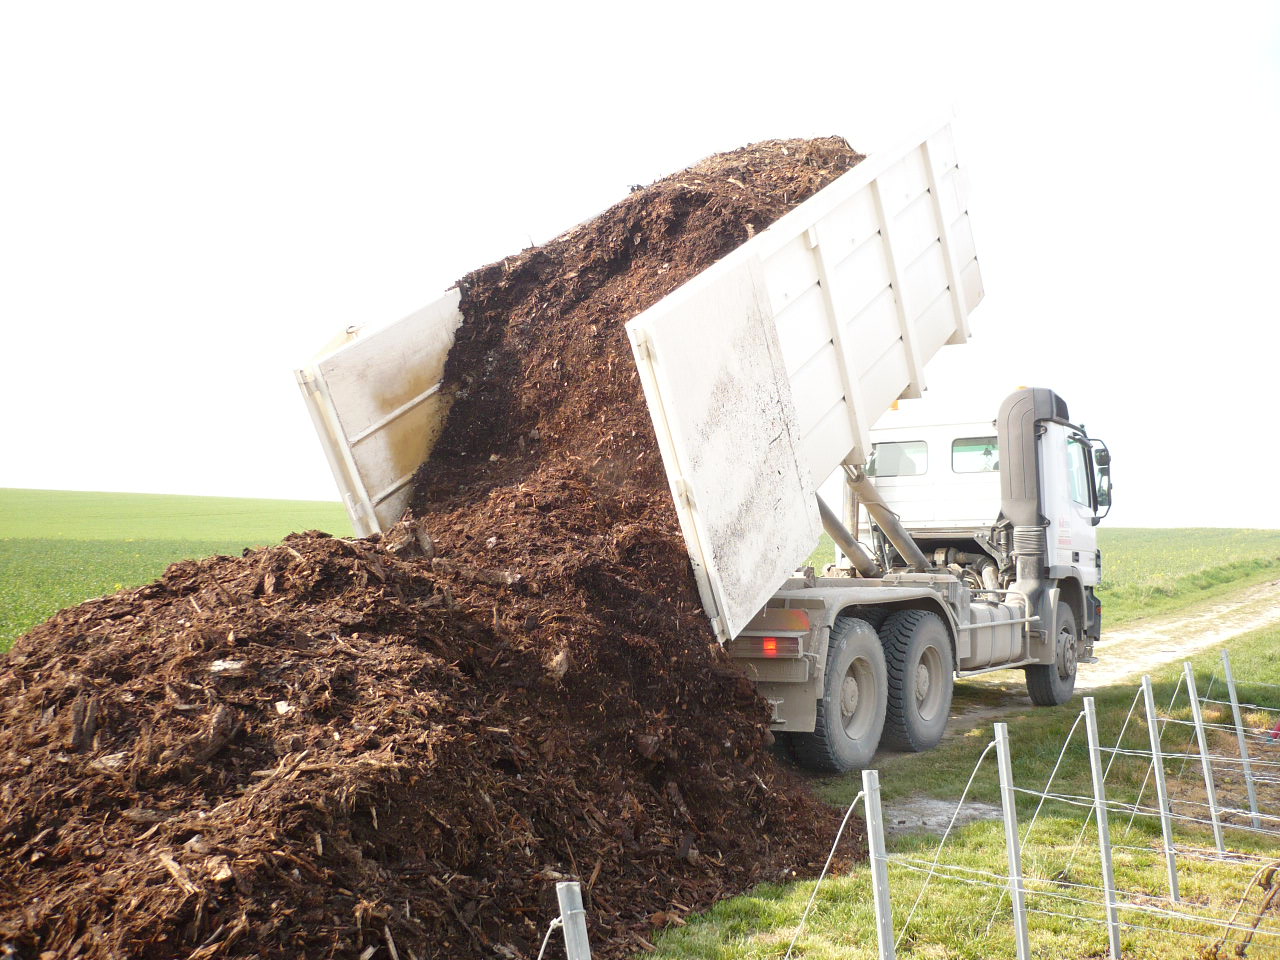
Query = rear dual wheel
x=851 y=712
x=921 y=670
x=890 y=688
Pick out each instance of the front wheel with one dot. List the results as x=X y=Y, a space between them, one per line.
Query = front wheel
x=1051 y=684
x=851 y=711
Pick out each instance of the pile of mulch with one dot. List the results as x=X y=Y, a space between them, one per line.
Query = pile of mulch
x=394 y=747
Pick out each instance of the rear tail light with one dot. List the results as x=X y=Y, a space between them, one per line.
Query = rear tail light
x=768 y=648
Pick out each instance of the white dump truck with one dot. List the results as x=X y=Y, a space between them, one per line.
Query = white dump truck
x=764 y=376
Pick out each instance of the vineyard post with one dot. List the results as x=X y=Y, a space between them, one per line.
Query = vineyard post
x=879 y=863
x=1240 y=737
x=574 y=918
x=1162 y=790
x=1206 y=764
x=1104 y=828
x=1008 y=800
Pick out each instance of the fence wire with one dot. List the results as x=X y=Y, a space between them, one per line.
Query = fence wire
x=941 y=843
x=1135 y=910
x=823 y=875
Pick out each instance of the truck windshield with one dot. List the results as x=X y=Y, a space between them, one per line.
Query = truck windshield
x=908 y=458
x=975 y=455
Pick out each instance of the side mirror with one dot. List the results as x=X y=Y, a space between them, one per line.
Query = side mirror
x=1104 y=492
x=1102 y=478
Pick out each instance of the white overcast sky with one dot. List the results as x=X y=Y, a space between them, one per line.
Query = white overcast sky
x=196 y=196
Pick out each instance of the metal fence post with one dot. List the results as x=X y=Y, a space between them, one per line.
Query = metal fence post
x=1244 y=748
x=1162 y=790
x=574 y=918
x=1104 y=827
x=879 y=863
x=1210 y=793
x=1008 y=801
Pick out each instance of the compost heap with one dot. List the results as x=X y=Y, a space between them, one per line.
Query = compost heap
x=394 y=746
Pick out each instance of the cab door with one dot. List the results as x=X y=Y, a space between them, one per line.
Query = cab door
x=1080 y=508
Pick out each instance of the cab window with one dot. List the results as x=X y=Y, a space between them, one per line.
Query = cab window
x=975 y=455
x=1078 y=472
x=907 y=458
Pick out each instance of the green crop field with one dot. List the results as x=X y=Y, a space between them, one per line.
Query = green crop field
x=60 y=547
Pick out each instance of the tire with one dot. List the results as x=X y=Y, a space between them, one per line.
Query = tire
x=1051 y=684
x=917 y=654
x=875 y=616
x=851 y=711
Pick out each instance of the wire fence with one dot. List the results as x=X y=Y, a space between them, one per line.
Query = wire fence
x=1189 y=805
x=1201 y=800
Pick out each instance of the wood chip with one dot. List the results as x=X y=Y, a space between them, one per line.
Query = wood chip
x=179 y=875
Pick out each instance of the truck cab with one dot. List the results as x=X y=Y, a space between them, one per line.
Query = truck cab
x=943 y=481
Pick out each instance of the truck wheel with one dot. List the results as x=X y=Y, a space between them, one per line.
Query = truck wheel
x=1053 y=683
x=876 y=616
x=851 y=711
x=917 y=653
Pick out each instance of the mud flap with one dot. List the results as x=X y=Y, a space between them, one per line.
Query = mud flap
x=1045 y=648
x=795 y=705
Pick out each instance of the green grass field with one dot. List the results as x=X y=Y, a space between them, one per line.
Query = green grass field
x=1150 y=572
x=60 y=547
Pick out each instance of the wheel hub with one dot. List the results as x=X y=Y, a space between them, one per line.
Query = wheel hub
x=922 y=682
x=1067 y=654
x=849 y=696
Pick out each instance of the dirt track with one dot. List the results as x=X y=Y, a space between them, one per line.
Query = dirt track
x=1135 y=650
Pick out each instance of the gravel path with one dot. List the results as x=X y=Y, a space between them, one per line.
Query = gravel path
x=1131 y=652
